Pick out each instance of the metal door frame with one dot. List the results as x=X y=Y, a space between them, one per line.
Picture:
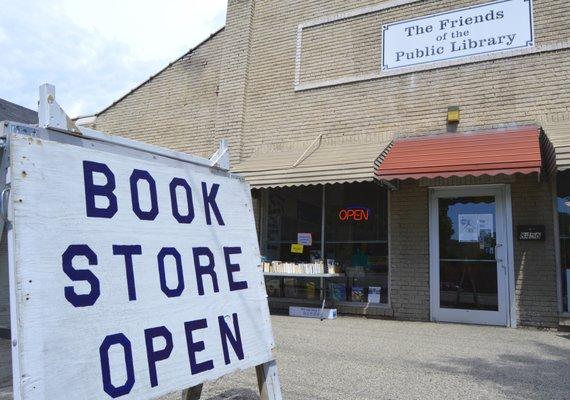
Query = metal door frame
x=502 y=195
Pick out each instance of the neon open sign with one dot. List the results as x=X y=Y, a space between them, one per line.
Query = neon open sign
x=354 y=213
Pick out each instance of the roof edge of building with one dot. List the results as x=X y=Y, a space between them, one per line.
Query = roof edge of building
x=11 y=111
x=193 y=49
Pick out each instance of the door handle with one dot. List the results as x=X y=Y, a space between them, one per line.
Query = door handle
x=497 y=246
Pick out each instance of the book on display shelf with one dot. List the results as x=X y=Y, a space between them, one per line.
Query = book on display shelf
x=294 y=268
x=337 y=291
x=374 y=294
x=358 y=294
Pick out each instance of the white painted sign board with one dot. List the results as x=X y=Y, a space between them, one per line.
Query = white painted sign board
x=131 y=277
x=500 y=26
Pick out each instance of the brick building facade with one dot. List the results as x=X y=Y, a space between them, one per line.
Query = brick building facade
x=310 y=113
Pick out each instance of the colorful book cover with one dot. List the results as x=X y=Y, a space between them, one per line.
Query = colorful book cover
x=273 y=287
x=374 y=294
x=338 y=291
x=290 y=287
x=311 y=290
x=358 y=294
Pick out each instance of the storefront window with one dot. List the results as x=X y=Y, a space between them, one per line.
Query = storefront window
x=355 y=247
x=291 y=211
x=356 y=242
x=563 y=201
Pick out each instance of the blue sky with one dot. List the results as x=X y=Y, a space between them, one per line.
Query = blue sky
x=94 y=51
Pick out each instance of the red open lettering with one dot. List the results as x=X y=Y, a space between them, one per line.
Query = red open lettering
x=355 y=214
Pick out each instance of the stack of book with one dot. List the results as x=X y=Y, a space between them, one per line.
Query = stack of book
x=294 y=268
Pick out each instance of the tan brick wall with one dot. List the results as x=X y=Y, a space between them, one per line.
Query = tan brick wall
x=354 y=46
x=409 y=252
x=347 y=47
x=234 y=75
x=510 y=90
x=176 y=108
x=535 y=262
x=251 y=64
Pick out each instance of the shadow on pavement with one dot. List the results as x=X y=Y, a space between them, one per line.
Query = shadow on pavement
x=236 y=394
x=517 y=376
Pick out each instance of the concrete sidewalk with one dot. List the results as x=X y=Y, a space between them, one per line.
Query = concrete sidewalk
x=355 y=358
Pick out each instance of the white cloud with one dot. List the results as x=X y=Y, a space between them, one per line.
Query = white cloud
x=95 y=51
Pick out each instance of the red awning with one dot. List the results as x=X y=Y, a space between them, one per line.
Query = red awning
x=500 y=151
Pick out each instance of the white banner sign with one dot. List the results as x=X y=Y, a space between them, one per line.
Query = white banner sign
x=132 y=277
x=493 y=27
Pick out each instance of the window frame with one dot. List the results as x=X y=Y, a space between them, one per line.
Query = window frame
x=264 y=243
x=557 y=246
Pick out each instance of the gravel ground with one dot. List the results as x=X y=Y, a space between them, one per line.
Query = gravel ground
x=356 y=358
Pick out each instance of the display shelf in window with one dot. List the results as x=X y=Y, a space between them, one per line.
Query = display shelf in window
x=385 y=241
x=299 y=270
x=312 y=268
x=294 y=275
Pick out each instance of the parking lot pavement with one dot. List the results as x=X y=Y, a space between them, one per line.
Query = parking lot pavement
x=356 y=358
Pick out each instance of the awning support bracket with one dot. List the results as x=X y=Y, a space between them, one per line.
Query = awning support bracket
x=388 y=185
x=305 y=155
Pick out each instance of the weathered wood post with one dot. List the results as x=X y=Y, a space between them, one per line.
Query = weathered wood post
x=193 y=393
x=267 y=381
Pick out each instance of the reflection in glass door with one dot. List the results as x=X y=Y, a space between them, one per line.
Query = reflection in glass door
x=467 y=264
x=469 y=258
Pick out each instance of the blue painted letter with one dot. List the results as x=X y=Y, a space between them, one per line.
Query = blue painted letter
x=92 y=190
x=128 y=252
x=231 y=268
x=183 y=219
x=235 y=341
x=156 y=355
x=206 y=269
x=136 y=176
x=78 y=275
x=210 y=202
x=195 y=347
x=170 y=251
x=110 y=389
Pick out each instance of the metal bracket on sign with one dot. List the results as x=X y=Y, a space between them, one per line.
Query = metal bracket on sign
x=221 y=157
x=4 y=198
x=50 y=113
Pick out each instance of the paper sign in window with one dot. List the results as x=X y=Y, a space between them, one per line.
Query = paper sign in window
x=297 y=248
x=473 y=226
x=306 y=239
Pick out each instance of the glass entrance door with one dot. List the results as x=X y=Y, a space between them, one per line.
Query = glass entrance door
x=468 y=256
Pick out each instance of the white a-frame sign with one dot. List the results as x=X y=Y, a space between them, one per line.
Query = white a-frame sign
x=133 y=271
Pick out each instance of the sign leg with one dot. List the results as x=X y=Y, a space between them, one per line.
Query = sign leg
x=193 y=393
x=268 y=381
